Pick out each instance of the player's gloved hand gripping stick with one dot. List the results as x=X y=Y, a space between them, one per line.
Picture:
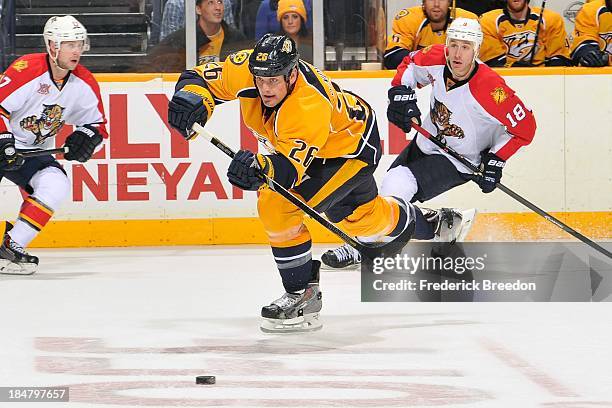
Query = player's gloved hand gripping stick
x=438 y=142
x=370 y=251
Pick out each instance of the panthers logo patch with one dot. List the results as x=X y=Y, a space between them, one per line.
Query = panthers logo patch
x=499 y=95
x=48 y=125
x=441 y=116
x=20 y=66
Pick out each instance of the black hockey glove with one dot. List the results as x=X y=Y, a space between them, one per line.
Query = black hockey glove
x=187 y=108
x=403 y=107
x=9 y=159
x=82 y=143
x=591 y=56
x=491 y=168
x=245 y=172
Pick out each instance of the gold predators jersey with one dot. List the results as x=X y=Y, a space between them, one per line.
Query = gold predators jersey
x=507 y=41
x=593 y=25
x=316 y=120
x=411 y=31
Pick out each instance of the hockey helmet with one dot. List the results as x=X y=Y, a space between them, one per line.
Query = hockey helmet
x=465 y=29
x=273 y=55
x=65 y=28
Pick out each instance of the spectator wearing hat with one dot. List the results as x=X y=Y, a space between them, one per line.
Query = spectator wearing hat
x=267 y=21
x=292 y=16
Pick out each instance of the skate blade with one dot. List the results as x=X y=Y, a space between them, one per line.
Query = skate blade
x=304 y=324
x=10 y=268
x=467 y=220
x=351 y=267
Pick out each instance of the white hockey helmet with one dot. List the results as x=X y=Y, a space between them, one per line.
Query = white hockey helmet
x=466 y=29
x=65 y=28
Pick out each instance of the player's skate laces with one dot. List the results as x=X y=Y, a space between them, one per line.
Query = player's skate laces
x=341 y=257
x=14 y=260
x=450 y=224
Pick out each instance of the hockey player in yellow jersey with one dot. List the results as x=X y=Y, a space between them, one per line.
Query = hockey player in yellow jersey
x=592 y=44
x=418 y=27
x=509 y=36
x=322 y=143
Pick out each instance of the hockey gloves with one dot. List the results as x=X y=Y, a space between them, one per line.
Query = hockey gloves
x=590 y=56
x=192 y=104
x=9 y=159
x=82 y=143
x=491 y=167
x=245 y=170
x=403 y=107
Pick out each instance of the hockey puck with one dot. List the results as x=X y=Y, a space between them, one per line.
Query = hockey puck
x=206 y=379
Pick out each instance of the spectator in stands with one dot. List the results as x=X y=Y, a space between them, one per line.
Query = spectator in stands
x=215 y=40
x=267 y=21
x=173 y=17
x=509 y=36
x=592 y=45
x=292 y=17
x=418 y=27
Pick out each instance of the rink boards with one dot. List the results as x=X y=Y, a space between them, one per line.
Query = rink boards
x=150 y=187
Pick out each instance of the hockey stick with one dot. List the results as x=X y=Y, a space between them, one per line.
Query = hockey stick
x=36 y=153
x=537 y=33
x=370 y=251
x=438 y=142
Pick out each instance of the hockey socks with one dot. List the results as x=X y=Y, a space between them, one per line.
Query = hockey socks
x=295 y=265
x=33 y=216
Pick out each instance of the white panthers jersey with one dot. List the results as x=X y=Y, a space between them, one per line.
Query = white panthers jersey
x=33 y=108
x=479 y=113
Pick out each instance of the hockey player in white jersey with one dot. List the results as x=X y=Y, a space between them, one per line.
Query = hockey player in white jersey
x=39 y=94
x=471 y=109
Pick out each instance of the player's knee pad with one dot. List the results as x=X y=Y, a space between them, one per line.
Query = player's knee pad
x=51 y=187
x=283 y=221
x=399 y=182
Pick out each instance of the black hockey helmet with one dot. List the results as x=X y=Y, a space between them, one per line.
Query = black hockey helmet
x=273 y=55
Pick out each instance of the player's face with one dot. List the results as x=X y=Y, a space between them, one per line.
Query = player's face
x=460 y=57
x=211 y=11
x=436 y=10
x=273 y=90
x=517 y=5
x=69 y=54
x=291 y=23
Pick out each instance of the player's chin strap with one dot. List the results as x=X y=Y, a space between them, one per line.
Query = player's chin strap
x=368 y=250
x=445 y=148
x=55 y=60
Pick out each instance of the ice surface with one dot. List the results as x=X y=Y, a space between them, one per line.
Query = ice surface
x=133 y=327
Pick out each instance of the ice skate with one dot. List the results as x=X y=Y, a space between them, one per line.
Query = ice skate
x=343 y=257
x=14 y=260
x=451 y=225
x=295 y=312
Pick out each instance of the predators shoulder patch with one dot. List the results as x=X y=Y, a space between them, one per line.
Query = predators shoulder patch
x=401 y=13
x=239 y=57
x=499 y=95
